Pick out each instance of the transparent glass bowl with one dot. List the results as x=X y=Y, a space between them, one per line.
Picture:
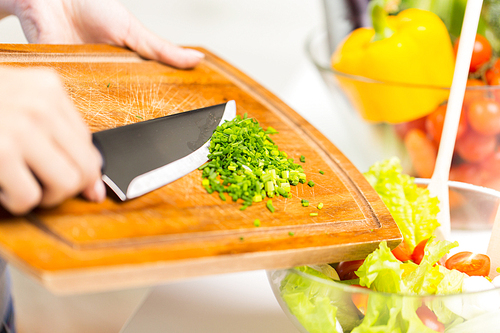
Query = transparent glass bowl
x=477 y=312
x=476 y=159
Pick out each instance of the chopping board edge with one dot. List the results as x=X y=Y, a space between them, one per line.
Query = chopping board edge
x=81 y=281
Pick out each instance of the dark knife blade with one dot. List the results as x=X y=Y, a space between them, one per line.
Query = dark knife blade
x=144 y=156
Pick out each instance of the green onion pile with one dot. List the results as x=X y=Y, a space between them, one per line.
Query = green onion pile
x=246 y=164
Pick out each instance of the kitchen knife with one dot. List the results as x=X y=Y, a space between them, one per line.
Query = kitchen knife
x=141 y=157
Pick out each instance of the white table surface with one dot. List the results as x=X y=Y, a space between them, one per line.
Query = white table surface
x=265 y=39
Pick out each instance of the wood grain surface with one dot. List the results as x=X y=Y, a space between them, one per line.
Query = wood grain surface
x=181 y=231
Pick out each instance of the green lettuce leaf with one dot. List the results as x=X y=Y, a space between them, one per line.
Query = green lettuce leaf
x=409 y=315
x=383 y=315
x=450 y=284
x=318 y=306
x=414 y=211
x=381 y=271
x=426 y=277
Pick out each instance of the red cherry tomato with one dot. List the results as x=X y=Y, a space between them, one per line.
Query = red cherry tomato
x=346 y=269
x=471 y=173
x=492 y=162
x=493 y=78
x=422 y=151
x=403 y=128
x=402 y=252
x=490 y=169
x=484 y=116
x=469 y=263
x=475 y=147
x=360 y=300
x=429 y=319
x=434 y=124
x=480 y=55
x=418 y=252
x=472 y=93
x=492 y=75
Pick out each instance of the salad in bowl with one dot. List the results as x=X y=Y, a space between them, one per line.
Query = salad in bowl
x=423 y=285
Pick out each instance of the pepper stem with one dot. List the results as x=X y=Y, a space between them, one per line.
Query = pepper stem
x=379 y=12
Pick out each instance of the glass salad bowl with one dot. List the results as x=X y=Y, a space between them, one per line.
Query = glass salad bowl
x=316 y=304
x=359 y=100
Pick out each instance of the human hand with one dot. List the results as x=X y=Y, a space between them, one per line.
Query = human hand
x=96 y=21
x=46 y=150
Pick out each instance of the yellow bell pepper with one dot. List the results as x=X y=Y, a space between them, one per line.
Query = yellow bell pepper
x=395 y=72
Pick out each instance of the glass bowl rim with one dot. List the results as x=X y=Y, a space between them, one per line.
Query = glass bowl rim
x=353 y=289
x=322 y=68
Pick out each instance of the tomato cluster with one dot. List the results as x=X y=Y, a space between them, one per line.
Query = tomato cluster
x=476 y=158
x=472 y=264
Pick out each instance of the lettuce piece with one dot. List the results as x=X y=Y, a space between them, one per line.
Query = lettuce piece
x=318 y=306
x=392 y=314
x=435 y=250
x=414 y=211
x=408 y=314
x=326 y=270
x=383 y=315
x=423 y=280
x=426 y=277
x=451 y=282
x=381 y=271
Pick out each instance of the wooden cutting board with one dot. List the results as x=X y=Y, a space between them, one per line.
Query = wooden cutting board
x=181 y=231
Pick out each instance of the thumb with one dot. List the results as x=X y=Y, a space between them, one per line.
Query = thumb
x=95 y=192
x=150 y=46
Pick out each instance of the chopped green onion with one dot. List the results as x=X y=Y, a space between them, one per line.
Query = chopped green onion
x=313 y=214
x=271 y=130
x=291 y=233
x=302 y=177
x=246 y=164
x=269 y=205
x=321 y=172
x=320 y=205
x=302 y=158
x=310 y=183
x=269 y=187
x=256 y=223
x=305 y=203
